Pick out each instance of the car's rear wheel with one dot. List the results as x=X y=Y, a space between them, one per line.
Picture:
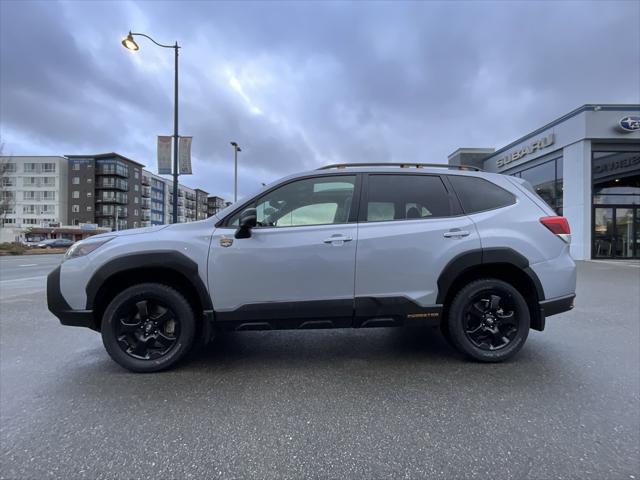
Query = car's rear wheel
x=148 y=327
x=489 y=320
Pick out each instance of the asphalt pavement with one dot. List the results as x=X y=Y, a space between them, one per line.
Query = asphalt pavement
x=369 y=403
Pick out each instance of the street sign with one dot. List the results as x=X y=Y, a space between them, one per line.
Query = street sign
x=184 y=155
x=164 y=154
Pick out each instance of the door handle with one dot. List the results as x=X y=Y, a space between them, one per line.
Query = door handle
x=455 y=233
x=337 y=239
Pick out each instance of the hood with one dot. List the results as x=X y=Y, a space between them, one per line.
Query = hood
x=131 y=231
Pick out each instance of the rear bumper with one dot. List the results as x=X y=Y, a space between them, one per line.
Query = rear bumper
x=61 y=309
x=557 y=305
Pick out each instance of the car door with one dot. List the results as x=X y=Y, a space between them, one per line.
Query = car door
x=410 y=226
x=298 y=266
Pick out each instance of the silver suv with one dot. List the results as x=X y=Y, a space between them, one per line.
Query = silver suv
x=352 y=245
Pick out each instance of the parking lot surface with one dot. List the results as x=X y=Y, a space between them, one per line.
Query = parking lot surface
x=325 y=404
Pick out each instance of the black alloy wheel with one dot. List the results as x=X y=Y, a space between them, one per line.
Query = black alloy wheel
x=148 y=327
x=488 y=320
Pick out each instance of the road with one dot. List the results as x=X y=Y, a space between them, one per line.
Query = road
x=329 y=403
x=25 y=274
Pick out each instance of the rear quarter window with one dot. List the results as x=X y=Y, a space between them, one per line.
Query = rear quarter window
x=477 y=194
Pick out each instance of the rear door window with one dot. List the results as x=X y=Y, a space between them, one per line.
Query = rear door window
x=477 y=194
x=406 y=197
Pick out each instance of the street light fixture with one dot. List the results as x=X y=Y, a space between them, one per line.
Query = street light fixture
x=130 y=44
x=236 y=149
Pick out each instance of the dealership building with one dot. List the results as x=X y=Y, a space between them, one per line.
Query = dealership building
x=586 y=166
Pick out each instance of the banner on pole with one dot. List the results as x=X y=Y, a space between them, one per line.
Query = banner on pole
x=184 y=155
x=164 y=155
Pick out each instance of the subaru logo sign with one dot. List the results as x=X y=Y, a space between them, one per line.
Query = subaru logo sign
x=630 y=123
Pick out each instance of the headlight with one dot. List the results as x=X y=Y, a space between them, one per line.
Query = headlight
x=84 y=247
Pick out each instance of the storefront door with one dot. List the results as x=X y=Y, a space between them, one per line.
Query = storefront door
x=616 y=231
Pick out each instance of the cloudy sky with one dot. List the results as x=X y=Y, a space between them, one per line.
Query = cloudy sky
x=302 y=84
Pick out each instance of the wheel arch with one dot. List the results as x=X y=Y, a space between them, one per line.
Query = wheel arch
x=502 y=263
x=165 y=267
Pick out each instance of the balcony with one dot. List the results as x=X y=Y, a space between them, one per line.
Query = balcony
x=145 y=180
x=117 y=199
x=111 y=170
x=146 y=203
x=146 y=191
x=146 y=216
x=112 y=184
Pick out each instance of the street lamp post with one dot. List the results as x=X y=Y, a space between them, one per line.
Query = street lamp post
x=130 y=44
x=236 y=149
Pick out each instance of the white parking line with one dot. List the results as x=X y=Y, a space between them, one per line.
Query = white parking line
x=23 y=279
x=620 y=263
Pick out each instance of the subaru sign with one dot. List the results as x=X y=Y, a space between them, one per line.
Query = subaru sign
x=630 y=123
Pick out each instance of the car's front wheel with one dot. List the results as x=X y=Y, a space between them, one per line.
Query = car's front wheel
x=489 y=320
x=148 y=327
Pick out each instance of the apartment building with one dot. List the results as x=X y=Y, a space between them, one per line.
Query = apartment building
x=105 y=189
x=154 y=203
x=201 y=204
x=33 y=192
x=188 y=201
x=215 y=204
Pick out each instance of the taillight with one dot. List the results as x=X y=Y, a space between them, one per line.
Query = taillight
x=559 y=226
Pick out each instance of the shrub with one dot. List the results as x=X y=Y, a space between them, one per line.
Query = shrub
x=12 y=248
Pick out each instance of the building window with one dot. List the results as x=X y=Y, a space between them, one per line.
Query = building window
x=9 y=168
x=89 y=208
x=136 y=174
x=546 y=180
x=75 y=208
x=49 y=167
x=135 y=212
x=76 y=180
x=136 y=187
x=136 y=200
x=89 y=194
x=76 y=194
x=76 y=165
x=89 y=180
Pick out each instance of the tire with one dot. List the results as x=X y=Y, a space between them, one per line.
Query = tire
x=486 y=329
x=148 y=327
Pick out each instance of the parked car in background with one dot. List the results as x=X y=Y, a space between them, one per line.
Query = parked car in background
x=55 y=243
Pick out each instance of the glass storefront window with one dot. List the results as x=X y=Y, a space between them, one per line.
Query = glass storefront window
x=616 y=200
x=546 y=180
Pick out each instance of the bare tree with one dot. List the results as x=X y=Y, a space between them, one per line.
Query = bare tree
x=7 y=197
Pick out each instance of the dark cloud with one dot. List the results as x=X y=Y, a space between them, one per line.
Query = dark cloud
x=301 y=84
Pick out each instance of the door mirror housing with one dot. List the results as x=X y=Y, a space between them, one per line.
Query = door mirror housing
x=248 y=220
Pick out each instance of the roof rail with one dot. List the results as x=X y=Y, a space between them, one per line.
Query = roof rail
x=401 y=165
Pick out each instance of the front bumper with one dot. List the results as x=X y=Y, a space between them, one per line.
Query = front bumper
x=61 y=309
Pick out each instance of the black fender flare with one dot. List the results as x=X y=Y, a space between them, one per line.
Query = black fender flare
x=164 y=259
x=484 y=256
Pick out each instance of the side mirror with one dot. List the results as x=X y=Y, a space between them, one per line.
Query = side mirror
x=248 y=220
